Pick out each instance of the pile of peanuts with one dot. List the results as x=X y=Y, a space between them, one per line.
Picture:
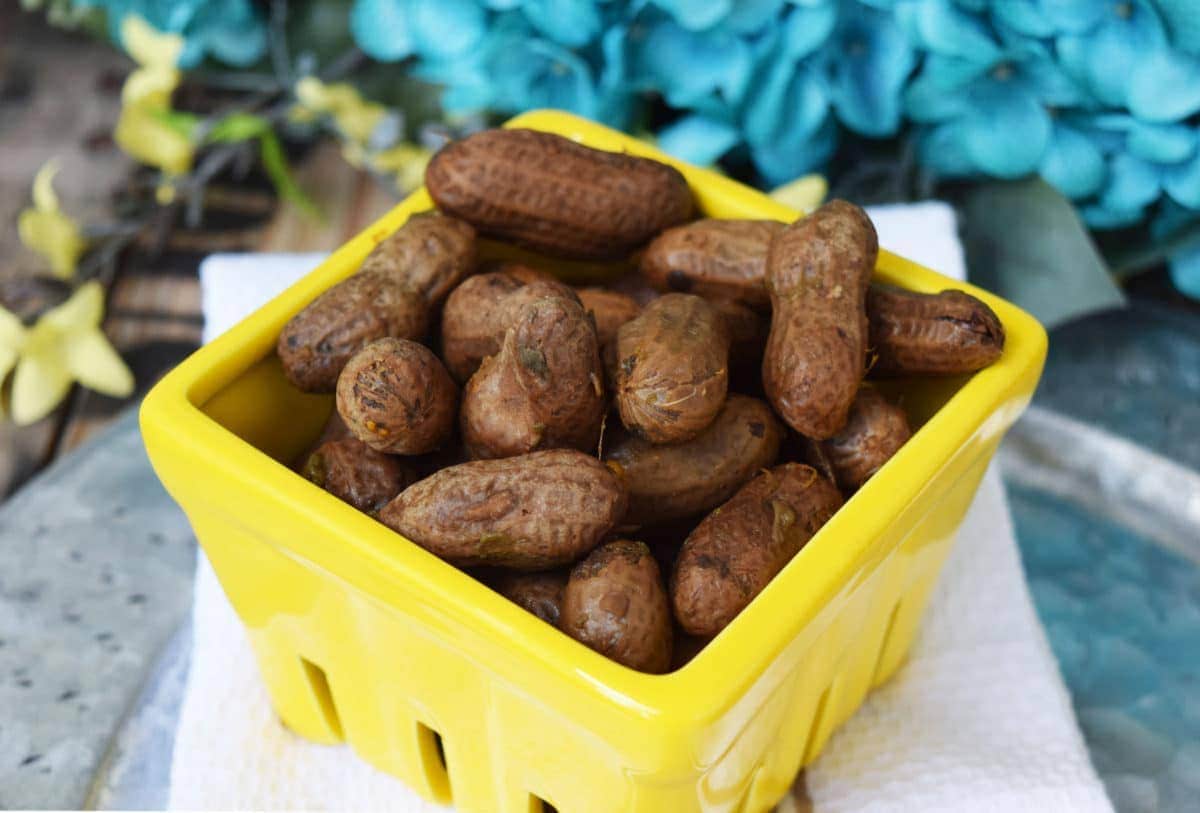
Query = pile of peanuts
x=702 y=416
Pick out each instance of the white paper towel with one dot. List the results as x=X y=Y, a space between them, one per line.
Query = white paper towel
x=977 y=720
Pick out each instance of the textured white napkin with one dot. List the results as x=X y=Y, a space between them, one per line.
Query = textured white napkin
x=977 y=720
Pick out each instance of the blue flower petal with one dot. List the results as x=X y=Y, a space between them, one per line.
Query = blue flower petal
x=1072 y=163
x=1185 y=271
x=1013 y=148
x=872 y=63
x=941 y=149
x=1132 y=184
x=230 y=31
x=1161 y=143
x=696 y=14
x=927 y=100
x=444 y=28
x=1182 y=182
x=749 y=16
x=569 y=22
x=1050 y=83
x=1024 y=17
x=686 y=65
x=807 y=28
x=1165 y=86
x=789 y=105
x=1072 y=16
x=1100 y=217
x=785 y=160
x=1106 y=57
x=1183 y=22
x=382 y=28
x=539 y=73
x=698 y=139
x=944 y=28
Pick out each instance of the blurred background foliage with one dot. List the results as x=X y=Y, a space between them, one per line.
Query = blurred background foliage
x=1066 y=131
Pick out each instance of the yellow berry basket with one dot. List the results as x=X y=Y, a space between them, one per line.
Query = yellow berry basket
x=363 y=637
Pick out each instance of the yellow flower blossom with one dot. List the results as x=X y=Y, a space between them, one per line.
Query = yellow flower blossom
x=64 y=346
x=353 y=115
x=165 y=194
x=405 y=161
x=805 y=193
x=149 y=47
x=47 y=230
x=143 y=129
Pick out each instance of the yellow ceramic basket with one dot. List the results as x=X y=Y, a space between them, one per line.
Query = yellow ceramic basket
x=362 y=636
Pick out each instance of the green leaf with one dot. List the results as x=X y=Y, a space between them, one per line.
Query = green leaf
x=275 y=163
x=1025 y=241
x=183 y=123
x=237 y=127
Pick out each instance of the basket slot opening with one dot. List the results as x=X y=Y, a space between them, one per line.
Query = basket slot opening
x=319 y=683
x=883 y=644
x=433 y=763
x=539 y=805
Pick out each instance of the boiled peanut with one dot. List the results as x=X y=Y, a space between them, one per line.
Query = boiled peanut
x=357 y=474
x=818 y=270
x=318 y=341
x=609 y=309
x=543 y=390
x=396 y=397
x=874 y=432
x=553 y=195
x=683 y=479
x=533 y=512
x=481 y=309
x=430 y=254
x=949 y=333
x=672 y=368
x=738 y=548
x=715 y=259
x=615 y=604
x=538 y=593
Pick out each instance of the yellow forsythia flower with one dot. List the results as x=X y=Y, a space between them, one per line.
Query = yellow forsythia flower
x=406 y=161
x=65 y=345
x=805 y=193
x=142 y=129
x=47 y=230
x=353 y=115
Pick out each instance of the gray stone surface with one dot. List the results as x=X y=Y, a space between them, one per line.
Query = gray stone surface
x=96 y=569
x=1135 y=373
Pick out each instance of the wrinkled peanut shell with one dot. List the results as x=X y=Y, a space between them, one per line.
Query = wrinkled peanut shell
x=874 y=432
x=672 y=369
x=318 y=341
x=533 y=512
x=396 y=397
x=738 y=548
x=949 y=333
x=615 y=604
x=818 y=270
x=553 y=195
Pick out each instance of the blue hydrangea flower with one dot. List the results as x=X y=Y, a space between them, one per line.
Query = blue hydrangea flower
x=230 y=31
x=1184 y=263
x=1126 y=60
x=390 y=30
x=1143 y=161
x=868 y=61
x=990 y=115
